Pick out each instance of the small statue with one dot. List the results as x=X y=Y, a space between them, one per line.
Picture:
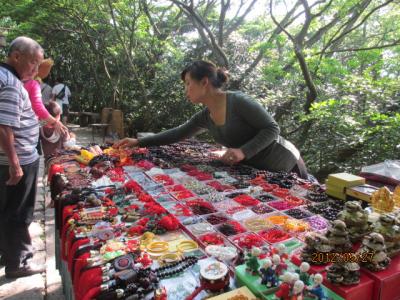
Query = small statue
x=281 y=251
x=316 y=290
x=265 y=251
x=315 y=242
x=386 y=226
x=343 y=273
x=351 y=274
x=374 y=251
x=252 y=264
x=283 y=292
x=268 y=276
x=277 y=265
x=303 y=272
x=295 y=277
x=297 y=290
x=382 y=200
x=356 y=220
x=338 y=237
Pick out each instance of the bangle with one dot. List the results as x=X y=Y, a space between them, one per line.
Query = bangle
x=157 y=247
x=255 y=224
x=146 y=239
x=187 y=245
x=168 y=258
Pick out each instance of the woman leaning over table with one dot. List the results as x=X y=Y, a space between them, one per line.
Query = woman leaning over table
x=234 y=119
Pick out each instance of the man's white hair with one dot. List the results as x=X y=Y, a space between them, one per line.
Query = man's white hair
x=24 y=45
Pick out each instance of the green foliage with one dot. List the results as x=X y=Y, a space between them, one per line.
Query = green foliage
x=128 y=54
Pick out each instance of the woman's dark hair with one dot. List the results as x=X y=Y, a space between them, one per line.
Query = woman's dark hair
x=200 y=69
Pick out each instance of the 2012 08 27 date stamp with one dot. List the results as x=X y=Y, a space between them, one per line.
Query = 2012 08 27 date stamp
x=344 y=257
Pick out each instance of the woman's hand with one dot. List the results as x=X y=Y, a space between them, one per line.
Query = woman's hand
x=126 y=143
x=60 y=127
x=233 y=156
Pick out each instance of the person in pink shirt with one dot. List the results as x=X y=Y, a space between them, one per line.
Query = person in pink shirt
x=32 y=86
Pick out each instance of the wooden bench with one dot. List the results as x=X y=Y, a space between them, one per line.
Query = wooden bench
x=89 y=117
x=84 y=117
x=104 y=124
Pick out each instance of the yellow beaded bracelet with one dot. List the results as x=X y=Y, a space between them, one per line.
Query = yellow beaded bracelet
x=187 y=245
x=157 y=247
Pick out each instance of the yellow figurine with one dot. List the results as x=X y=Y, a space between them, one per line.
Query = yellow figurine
x=382 y=200
x=396 y=196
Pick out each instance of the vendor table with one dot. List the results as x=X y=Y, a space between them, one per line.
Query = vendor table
x=131 y=223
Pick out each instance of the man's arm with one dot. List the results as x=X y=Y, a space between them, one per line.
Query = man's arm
x=7 y=144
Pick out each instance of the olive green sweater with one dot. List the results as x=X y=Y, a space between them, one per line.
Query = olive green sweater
x=248 y=126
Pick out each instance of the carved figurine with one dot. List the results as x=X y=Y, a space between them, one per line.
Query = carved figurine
x=373 y=251
x=315 y=242
x=268 y=276
x=338 y=237
x=386 y=226
x=303 y=272
x=356 y=220
x=297 y=290
x=283 y=292
x=343 y=273
x=252 y=264
x=316 y=290
x=382 y=200
x=277 y=265
x=396 y=196
x=351 y=274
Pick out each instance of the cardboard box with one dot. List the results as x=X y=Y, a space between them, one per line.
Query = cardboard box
x=335 y=194
x=243 y=291
x=386 y=282
x=361 y=192
x=345 y=179
x=334 y=190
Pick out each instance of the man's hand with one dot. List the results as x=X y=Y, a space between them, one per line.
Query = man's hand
x=126 y=143
x=233 y=156
x=16 y=174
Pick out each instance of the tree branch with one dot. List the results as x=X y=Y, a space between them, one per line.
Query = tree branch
x=188 y=10
x=239 y=20
x=395 y=43
x=224 y=8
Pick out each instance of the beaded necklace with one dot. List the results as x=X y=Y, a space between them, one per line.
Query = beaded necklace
x=176 y=267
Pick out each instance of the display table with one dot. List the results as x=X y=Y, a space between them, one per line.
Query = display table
x=362 y=291
x=386 y=282
x=148 y=219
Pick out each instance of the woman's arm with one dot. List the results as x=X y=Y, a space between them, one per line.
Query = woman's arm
x=258 y=117
x=196 y=125
x=35 y=95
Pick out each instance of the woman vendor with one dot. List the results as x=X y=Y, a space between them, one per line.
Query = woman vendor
x=234 y=119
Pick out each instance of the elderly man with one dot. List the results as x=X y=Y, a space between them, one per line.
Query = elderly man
x=19 y=160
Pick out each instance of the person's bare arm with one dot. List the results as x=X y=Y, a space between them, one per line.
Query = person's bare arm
x=7 y=144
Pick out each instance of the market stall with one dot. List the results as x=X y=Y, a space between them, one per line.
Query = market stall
x=172 y=222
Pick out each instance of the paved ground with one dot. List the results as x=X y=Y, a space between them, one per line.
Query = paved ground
x=48 y=285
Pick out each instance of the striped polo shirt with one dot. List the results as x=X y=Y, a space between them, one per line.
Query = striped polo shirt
x=16 y=112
